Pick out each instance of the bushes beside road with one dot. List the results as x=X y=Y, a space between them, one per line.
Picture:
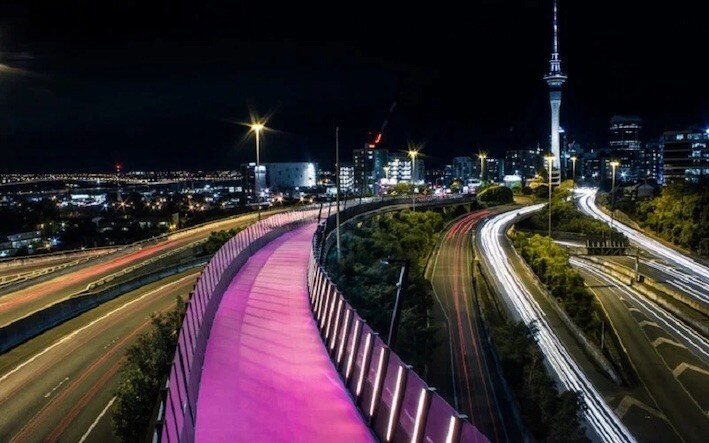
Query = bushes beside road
x=550 y=262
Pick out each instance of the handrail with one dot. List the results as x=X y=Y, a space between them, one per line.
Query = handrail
x=395 y=401
x=177 y=409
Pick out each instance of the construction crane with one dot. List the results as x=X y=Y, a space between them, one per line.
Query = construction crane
x=372 y=143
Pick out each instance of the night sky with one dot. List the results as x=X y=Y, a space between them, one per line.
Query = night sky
x=161 y=85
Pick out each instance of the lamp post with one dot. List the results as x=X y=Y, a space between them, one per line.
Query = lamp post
x=550 y=159
x=573 y=163
x=400 y=295
x=413 y=153
x=614 y=164
x=257 y=128
x=482 y=157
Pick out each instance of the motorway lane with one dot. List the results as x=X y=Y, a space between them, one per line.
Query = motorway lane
x=476 y=384
x=689 y=266
x=55 y=386
x=15 y=270
x=674 y=375
x=18 y=304
x=525 y=300
x=671 y=276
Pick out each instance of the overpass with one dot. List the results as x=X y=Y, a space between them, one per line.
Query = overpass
x=270 y=350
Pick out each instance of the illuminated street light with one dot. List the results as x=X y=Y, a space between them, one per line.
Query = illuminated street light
x=257 y=128
x=550 y=159
x=573 y=162
x=614 y=164
x=413 y=153
x=482 y=156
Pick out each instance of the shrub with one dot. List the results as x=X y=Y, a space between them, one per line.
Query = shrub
x=496 y=194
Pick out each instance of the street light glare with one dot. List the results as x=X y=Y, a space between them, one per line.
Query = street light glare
x=257 y=127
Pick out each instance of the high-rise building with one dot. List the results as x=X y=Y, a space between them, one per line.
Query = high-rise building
x=369 y=165
x=522 y=162
x=626 y=146
x=248 y=182
x=686 y=155
x=493 y=169
x=291 y=175
x=399 y=167
x=463 y=168
x=555 y=80
x=652 y=160
x=347 y=177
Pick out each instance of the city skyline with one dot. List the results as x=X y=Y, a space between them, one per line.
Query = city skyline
x=82 y=97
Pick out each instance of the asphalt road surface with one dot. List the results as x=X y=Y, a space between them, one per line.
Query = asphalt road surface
x=669 y=360
x=20 y=303
x=476 y=385
x=59 y=385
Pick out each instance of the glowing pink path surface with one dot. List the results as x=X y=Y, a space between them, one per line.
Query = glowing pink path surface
x=267 y=376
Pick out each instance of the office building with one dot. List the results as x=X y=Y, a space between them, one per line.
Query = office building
x=686 y=155
x=369 y=163
x=463 y=168
x=653 y=154
x=626 y=147
x=522 y=162
x=291 y=175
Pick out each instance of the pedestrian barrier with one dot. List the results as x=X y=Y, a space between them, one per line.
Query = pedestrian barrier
x=398 y=405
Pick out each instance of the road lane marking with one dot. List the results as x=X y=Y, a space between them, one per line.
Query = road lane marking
x=56 y=387
x=684 y=366
x=660 y=340
x=93 y=425
x=103 y=317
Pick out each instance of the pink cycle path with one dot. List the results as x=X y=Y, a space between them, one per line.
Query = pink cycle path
x=267 y=376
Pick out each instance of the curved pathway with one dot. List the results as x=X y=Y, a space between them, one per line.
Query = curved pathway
x=267 y=376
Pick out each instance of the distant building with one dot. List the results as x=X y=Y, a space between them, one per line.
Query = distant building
x=399 y=165
x=463 y=168
x=248 y=182
x=448 y=175
x=522 y=162
x=625 y=146
x=686 y=155
x=493 y=169
x=291 y=175
x=346 y=177
x=653 y=159
x=28 y=239
x=369 y=163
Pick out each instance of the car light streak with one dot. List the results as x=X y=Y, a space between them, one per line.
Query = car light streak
x=674 y=326
x=683 y=281
x=598 y=414
x=587 y=205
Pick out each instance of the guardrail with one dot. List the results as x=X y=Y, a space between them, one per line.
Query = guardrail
x=177 y=410
x=397 y=404
x=10 y=279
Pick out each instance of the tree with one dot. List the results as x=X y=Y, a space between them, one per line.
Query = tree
x=217 y=239
x=496 y=194
x=147 y=364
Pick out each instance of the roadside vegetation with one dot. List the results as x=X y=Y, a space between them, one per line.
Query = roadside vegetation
x=146 y=366
x=550 y=415
x=217 y=239
x=679 y=214
x=370 y=284
x=496 y=195
x=565 y=216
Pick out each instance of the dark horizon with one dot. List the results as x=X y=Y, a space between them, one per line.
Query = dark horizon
x=158 y=87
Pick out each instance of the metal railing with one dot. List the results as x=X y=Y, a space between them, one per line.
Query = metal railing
x=177 y=410
x=396 y=403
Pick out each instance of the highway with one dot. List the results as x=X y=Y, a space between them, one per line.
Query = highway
x=15 y=305
x=669 y=359
x=514 y=285
x=683 y=263
x=59 y=385
x=475 y=382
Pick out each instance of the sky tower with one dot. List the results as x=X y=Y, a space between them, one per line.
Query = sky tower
x=555 y=79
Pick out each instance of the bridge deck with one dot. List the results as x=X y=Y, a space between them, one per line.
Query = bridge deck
x=267 y=375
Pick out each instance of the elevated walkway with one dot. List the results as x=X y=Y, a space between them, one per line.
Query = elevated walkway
x=267 y=376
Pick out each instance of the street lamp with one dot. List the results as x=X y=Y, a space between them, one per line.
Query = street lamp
x=257 y=128
x=398 y=302
x=482 y=157
x=573 y=163
x=550 y=159
x=614 y=164
x=413 y=153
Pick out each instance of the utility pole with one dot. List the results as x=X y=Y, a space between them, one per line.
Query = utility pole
x=337 y=179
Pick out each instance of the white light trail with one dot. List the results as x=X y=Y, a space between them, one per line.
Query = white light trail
x=588 y=206
x=598 y=414
x=672 y=325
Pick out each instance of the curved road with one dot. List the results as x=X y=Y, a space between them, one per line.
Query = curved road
x=20 y=303
x=58 y=386
x=476 y=384
x=669 y=358
x=522 y=297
